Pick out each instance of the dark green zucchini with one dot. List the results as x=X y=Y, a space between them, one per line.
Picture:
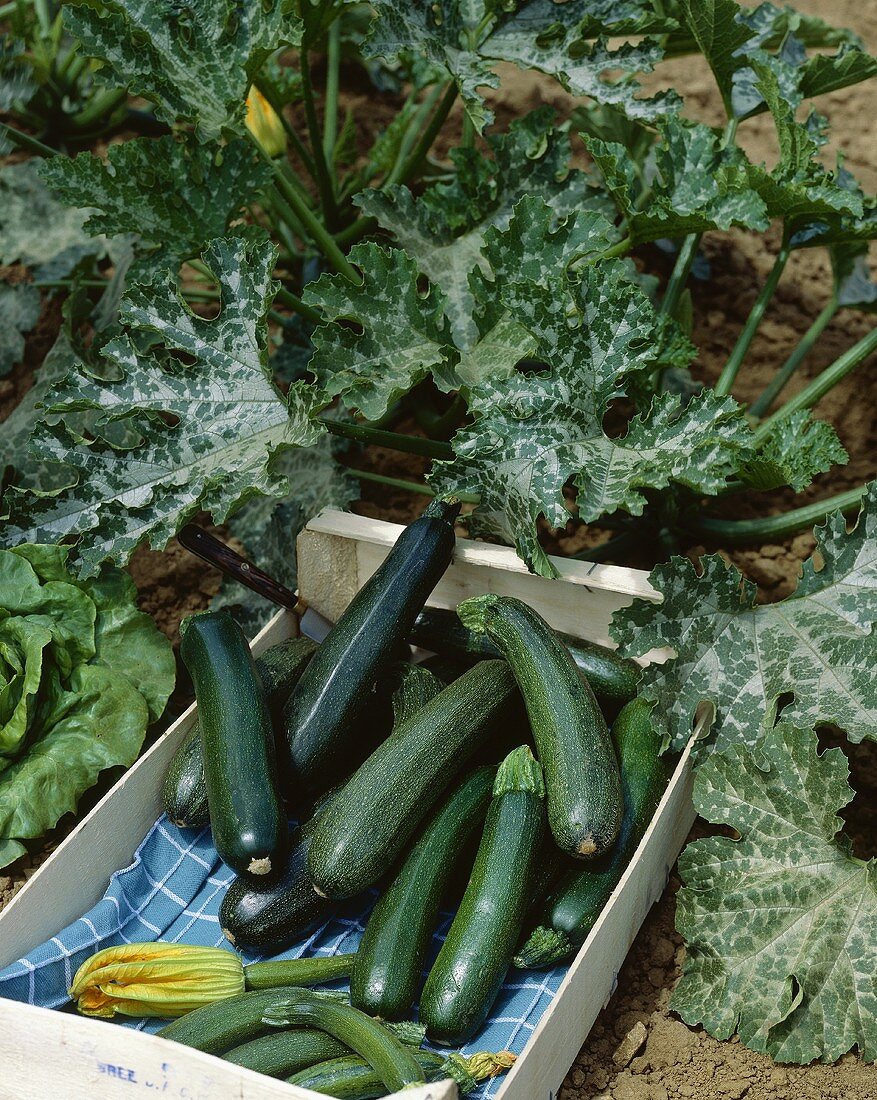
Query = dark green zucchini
x=612 y=678
x=577 y=899
x=320 y=712
x=393 y=1062
x=185 y=791
x=280 y=1053
x=347 y=1077
x=246 y=816
x=582 y=781
x=271 y=916
x=471 y=965
x=219 y=1026
x=368 y=824
x=389 y=959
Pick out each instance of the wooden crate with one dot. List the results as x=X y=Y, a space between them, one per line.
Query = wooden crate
x=47 y=1054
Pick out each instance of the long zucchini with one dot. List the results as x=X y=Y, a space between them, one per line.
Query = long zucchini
x=298 y=972
x=185 y=791
x=393 y=1062
x=319 y=713
x=246 y=816
x=281 y=1053
x=389 y=959
x=471 y=965
x=577 y=899
x=582 y=780
x=350 y=1078
x=370 y=821
x=612 y=678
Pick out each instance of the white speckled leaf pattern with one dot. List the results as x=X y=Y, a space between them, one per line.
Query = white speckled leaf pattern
x=175 y=195
x=819 y=644
x=209 y=427
x=797 y=450
x=402 y=333
x=193 y=61
x=780 y=924
x=19 y=310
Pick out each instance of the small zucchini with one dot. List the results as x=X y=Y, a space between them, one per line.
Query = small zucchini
x=582 y=780
x=320 y=712
x=281 y=1053
x=246 y=816
x=471 y=965
x=298 y=972
x=394 y=1063
x=389 y=959
x=185 y=792
x=612 y=678
x=574 y=903
x=350 y=1078
x=384 y=801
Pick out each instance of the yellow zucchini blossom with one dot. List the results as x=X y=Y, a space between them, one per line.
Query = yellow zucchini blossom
x=155 y=979
x=265 y=124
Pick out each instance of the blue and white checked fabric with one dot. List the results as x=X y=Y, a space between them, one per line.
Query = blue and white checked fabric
x=172 y=891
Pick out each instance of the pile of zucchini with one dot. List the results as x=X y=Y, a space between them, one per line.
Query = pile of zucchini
x=399 y=779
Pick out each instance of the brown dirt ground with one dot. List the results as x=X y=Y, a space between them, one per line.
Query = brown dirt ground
x=638 y=1050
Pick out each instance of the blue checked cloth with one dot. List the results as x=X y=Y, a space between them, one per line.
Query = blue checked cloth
x=172 y=891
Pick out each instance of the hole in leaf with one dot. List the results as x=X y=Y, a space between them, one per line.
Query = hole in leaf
x=860 y=816
x=181 y=356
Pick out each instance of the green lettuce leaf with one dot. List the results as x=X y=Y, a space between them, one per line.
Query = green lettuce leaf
x=819 y=644
x=779 y=922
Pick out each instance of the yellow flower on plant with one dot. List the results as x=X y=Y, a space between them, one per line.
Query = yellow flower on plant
x=265 y=124
x=155 y=979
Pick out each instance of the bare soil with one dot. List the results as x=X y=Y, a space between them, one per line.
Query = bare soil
x=638 y=1050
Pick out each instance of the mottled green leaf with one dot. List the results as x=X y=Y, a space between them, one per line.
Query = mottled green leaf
x=853 y=285
x=819 y=644
x=796 y=451
x=209 y=429
x=174 y=195
x=37 y=229
x=19 y=311
x=698 y=184
x=401 y=333
x=721 y=34
x=194 y=62
x=780 y=922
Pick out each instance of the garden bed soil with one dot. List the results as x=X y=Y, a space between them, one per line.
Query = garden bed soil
x=638 y=1050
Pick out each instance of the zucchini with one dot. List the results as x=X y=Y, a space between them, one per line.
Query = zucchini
x=612 y=678
x=319 y=713
x=280 y=1053
x=219 y=1026
x=271 y=916
x=185 y=792
x=582 y=780
x=350 y=1078
x=394 y=1063
x=311 y=971
x=471 y=965
x=389 y=959
x=246 y=816
x=384 y=801
x=572 y=906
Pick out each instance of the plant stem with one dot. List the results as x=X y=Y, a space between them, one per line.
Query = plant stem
x=821 y=384
x=733 y=532
x=679 y=275
x=407 y=444
x=270 y=93
x=323 y=177
x=729 y=374
x=762 y=404
x=407 y=486
x=411 y=164
x=356 y=231
x=330 y=107
x=294 y=302
x=26 y=141
x=319 y=234
x=620 y=248
x=104 y=103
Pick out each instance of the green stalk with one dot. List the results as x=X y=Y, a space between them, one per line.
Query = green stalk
x=762 y=404
x=324 y=180
x=412 y=134
x=679 y=275
x=410 y=166
x=282 y=215
x=270 y=93
x=735 y=361
x=26 y=141
x=330 y=108
x=406 y=486
x=620 y=248
x=318 y=232
x=733 y=532
x=821 y=384
x=294 y=302
x=104 y=103
x=408 y=444
x=356 y=231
